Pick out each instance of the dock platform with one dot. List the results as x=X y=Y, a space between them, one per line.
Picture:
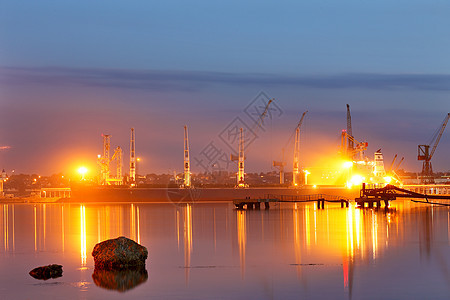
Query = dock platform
x=320 y=199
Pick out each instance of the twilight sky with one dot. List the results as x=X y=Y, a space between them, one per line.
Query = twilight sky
x=72 y=70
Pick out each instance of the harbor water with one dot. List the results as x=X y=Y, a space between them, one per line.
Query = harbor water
x=213 y=251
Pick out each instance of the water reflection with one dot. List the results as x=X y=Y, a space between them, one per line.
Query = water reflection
x=242 y=238
x=83 y=235
x=292 y=241
x=187 y=230
x=119 y=280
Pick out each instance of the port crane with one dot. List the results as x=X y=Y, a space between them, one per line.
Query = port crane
x=350 y=147
x=425 y=154
x=392 y=171
x=281 y=164
x=187 y=167
x=240 y=158
x=132 y=159
x=356 y=147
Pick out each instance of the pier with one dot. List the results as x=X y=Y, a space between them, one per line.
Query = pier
x=320 y=199
x=373 y=197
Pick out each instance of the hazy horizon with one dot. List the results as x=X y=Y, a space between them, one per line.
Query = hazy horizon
x=72 y=71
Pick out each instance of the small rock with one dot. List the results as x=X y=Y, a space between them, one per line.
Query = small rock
x=47 y=272
x=119 y=253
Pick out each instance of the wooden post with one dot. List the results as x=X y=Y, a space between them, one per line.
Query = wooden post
x=267 y=205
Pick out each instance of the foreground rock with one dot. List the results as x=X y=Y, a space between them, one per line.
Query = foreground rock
x=119 y=280
x=119 y=253
x=47 y=272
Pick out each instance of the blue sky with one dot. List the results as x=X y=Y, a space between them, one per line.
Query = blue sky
x=71 y=70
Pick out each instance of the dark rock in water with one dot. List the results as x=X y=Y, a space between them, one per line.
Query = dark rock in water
x=47 y=272
x=119 y=253
x=119 y=280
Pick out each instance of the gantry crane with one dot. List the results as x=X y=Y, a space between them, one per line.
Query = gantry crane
x=425 y=154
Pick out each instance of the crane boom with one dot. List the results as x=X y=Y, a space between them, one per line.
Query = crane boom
x=392 y=163
x=438 y=137
x=296 y=163
x=349 y=128
x=260 y=121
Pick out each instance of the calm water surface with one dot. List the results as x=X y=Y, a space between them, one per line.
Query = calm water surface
x=212 y=251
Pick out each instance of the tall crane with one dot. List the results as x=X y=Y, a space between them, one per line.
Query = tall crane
x=240 y=158
x=103 y=160
x=132 y=159
x=118 y=157
x=240 y=177
x=296 y=163
x=425 y=154
x=281 y=164
x=187 y=168
x=351 y=153
x=350 y=146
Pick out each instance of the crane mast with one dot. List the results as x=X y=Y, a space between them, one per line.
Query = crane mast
x=350 y=142
x=295 y=169
x=425 y=154
x=187 y=168
x=132 y=159
x=240 y=177
x=296 y=163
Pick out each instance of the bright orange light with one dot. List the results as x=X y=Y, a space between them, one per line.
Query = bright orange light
x=388 y=179
x=82 y=170
x=347 y=164
x=355 y=180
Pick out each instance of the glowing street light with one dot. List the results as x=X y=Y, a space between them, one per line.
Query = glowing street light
x=82 y=171
x=306 y=176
